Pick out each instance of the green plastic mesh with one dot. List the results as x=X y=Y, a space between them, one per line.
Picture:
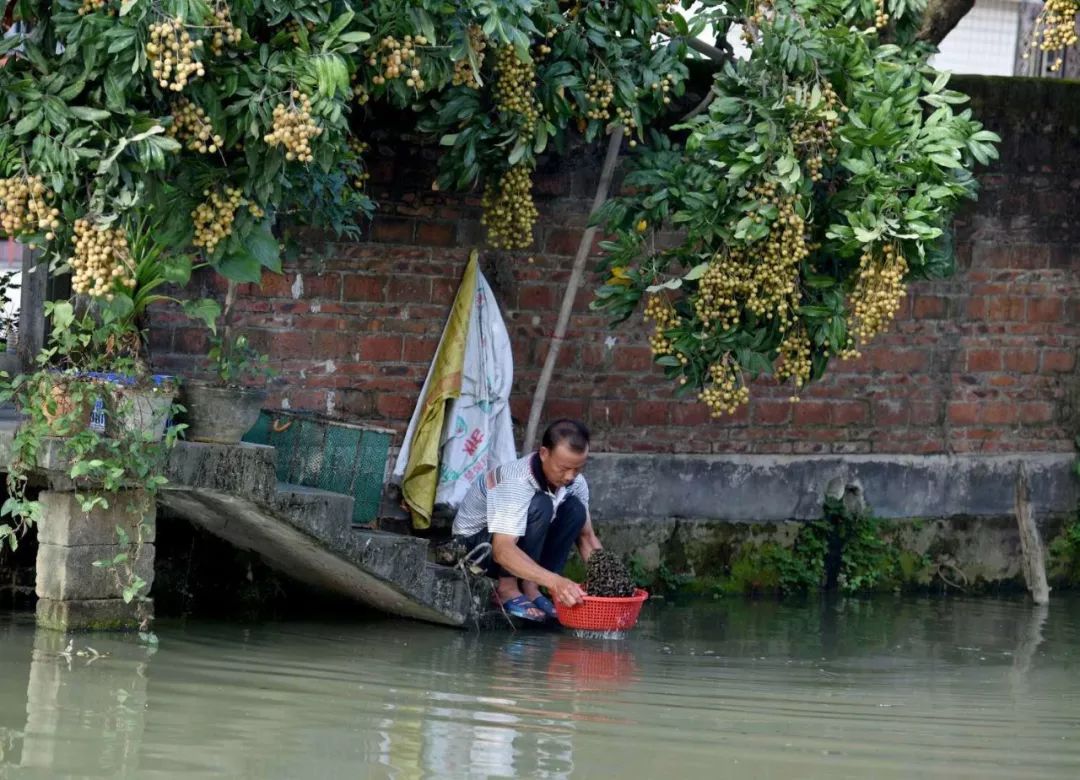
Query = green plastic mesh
x=320 y=453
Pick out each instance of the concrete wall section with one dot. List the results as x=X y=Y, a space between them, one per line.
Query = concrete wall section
x=771 y=488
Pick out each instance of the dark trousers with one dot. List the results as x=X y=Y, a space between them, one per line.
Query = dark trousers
x=549 y=534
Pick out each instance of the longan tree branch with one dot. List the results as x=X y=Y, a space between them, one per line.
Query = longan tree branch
x=941 y=17
x=602 y=188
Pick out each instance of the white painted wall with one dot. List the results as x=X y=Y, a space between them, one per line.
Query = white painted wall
x=984 y=42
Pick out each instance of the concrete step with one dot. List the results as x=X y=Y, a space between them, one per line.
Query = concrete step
x=322 y=514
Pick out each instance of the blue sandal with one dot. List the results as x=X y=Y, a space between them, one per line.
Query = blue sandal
x=519 y=607
x=543 y=603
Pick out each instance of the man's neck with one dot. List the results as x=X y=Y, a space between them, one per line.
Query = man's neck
x=537 y=468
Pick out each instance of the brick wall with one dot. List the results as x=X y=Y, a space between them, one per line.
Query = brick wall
x=983 y=362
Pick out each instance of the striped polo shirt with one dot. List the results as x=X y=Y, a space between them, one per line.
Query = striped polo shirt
x=499 y=500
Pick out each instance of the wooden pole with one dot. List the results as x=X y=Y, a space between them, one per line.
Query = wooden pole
x=1033 y=558
x=606 y=174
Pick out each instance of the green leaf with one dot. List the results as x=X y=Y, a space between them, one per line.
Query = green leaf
x=697 y=271
x=29 y=122
x=264 y=247
x=671 y=284
x=206 y=310
x=89 y=114
x=240 y=266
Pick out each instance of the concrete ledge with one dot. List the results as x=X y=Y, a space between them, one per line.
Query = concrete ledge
x=244 y=470
x=92 y=614
x=761 y=488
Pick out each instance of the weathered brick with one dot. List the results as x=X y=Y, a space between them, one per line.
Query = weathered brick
x=812 y=413
x=409 y=289
x=849 y=412
x=394 y=406
x=984 y=360
x=1024 y=361
x=1059 y=361
x=364 y=288
x=436 y=234
x=381 y=348
x=929 y=307
x=420 y=350
x=1045 y=309
x=392 y=230
x=633 y=358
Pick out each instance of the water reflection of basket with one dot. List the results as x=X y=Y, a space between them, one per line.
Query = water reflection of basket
x=327 y=454
x=599 y=613
x=584 y=665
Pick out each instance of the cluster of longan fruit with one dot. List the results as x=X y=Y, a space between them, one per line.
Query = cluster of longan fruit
x=101 y=260
x=768 y=284
x=509 y=212
x=1055 y=28
x=664 y=318
x=514 y=84
x=360 y=92
x=663 y=88
x=795 y=358
x=358 y=149
x=814 y=133
x=881 y=15
x=191 y=125
x=763 y=11
x=170 y=50
x=463 y=69
x=213 y=218
x=225 y=32
x=879 y=290
x=294 y=128
x=89 y=6
x=399 y=59
x=599 y=93
x=293 y=28
x=24 y=207
x=728 y=391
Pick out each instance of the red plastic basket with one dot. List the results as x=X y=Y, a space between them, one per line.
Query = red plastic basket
x=603 y=613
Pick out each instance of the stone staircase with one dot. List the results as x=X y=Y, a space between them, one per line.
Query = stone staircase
x=233 y=492
x=308 y=534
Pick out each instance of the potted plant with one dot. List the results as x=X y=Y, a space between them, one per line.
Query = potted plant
x=222 y=409
x=136 y=399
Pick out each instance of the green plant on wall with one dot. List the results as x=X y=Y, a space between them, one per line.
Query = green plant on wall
x=842 y=549
x=57 y=402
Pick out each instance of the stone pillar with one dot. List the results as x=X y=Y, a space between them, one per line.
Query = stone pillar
x=73 y=594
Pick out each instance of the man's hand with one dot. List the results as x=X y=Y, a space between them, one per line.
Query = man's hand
x=566 y=591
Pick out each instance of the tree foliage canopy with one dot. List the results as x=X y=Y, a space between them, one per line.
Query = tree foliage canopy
x=820 y=179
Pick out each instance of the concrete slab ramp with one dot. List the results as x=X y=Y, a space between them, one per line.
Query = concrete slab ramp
x=308 y=534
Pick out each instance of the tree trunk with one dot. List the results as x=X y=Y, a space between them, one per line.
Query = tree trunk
x=941 y=17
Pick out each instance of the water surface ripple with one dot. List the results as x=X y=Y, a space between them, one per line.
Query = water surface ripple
x=883 y=688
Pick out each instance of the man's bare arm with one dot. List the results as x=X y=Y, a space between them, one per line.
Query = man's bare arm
x=588 y=542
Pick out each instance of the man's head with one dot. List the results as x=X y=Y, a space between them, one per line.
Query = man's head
x=564 y=449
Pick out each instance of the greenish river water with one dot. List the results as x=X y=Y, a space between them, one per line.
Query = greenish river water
x=885 y=688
